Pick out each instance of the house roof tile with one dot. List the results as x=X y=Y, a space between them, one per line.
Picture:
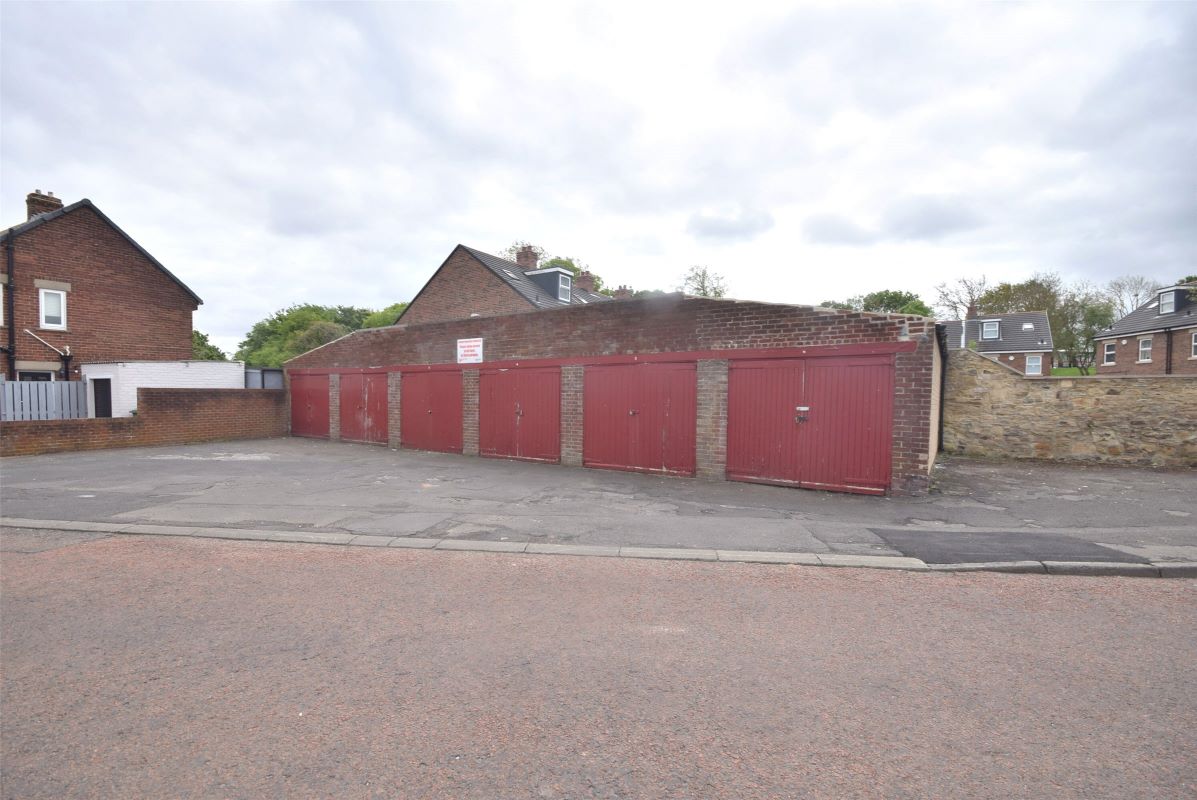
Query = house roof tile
x=1013 y=335
x=1147 y=317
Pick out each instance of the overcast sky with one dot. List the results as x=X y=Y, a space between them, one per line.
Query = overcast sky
x=278 y=154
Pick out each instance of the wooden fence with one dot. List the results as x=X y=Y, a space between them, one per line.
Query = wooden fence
x=26 y=400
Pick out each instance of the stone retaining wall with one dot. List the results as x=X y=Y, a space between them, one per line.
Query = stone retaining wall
x=991 y=411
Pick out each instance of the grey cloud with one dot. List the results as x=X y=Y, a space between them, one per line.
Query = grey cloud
x=929 y=217
x=741 y=224
x=836 y=229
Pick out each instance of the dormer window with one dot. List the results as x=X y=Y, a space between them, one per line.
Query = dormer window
x=989 y=329
x=1167 y=302
x=1028 y=326
x=564 y=282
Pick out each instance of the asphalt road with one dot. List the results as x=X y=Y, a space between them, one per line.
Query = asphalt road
x=156 y=667
x=308 y=485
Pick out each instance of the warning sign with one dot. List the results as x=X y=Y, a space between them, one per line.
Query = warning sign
x=469 y=351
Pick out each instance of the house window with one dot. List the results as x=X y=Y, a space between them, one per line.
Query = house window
x=989 y=330
x=1145 y=349
x=564 y=283
x=35 y=376
x=53 y=309
x=1034 y=365
x=1167 y=302
x=1 y=305
x=1108 y=357
x=1193 y=351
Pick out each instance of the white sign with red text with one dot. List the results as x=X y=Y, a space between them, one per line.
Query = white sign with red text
x=469 y=351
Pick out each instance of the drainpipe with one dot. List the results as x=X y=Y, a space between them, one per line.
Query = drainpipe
x=1167 y=351
x=9 y=311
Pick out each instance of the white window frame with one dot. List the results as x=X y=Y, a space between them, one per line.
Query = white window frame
x=1171 y=302
x=1 y=305
x=564 y=285
x=41 y=303
x=1038 y=365
x=1109 y=353
x=997 y=329
x=1193 y=347
x=1147 y=360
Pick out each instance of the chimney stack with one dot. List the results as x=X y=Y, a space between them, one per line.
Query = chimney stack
x=623 y=293
x=526 y=258
x=972 y=311
x=38 y=203
x=584 y=281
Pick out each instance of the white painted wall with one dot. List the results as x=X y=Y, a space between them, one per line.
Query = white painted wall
x=128 y=376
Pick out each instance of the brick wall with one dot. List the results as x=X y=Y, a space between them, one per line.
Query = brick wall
x=462 y=286
x=1126 y=356
x=993 y=412
x=670 y=324
x=120 y=307
x=711 y=428
x=165 y=417
x=469 y=412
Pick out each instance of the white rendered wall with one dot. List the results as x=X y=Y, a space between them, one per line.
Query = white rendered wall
x=128 y=376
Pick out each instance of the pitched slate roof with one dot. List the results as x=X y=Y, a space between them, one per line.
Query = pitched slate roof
x=1147 y=317
x=1013 y=336
x=513 y=275
x=50 y=216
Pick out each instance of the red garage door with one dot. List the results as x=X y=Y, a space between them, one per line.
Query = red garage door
x=823 y=423
x=309 y=405
x=519 y=414
x=430 y=411
x=640 y=417
x=364 y=407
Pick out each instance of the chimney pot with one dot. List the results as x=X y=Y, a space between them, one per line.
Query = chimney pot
x=623 y=293
x=526 y=258
x=38 y=203
x=585 y=281
x=972 y=311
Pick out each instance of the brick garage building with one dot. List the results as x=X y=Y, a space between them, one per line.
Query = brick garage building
x=75 y=279
x=720 y=389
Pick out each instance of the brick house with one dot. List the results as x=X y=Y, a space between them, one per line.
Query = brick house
x=1022 y=340
x=1158 y=338
x=77 y=289
x=471 y=283
x=718 y=389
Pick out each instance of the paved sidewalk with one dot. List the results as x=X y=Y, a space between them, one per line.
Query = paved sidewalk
x=1134 y=569
x=978 y=512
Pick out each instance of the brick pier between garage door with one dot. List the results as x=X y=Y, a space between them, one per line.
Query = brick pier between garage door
x=717 y=389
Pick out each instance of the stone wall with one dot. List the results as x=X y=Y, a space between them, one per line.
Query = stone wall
x=991 y=411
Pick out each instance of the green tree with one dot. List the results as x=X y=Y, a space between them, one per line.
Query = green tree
x=887 y=301
x=203 y=350
x=704 y=282
x=384 y=317
x=917 y=307
x=1043 y=292
x=318 y=333
x=1082 y=314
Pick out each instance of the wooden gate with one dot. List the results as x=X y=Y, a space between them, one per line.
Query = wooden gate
x=821 y=423
x=430 y=413
x=364 y=407
x=640 y=417
x=309 y=406
x=519 y=413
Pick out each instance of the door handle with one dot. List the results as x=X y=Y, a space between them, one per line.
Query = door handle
x=430 y=411
x=632 y=412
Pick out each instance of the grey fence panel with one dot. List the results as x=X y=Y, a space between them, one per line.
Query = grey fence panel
x=29 y=400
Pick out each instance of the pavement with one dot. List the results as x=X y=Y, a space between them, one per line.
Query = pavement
x=1011 y=516
x=170 y=666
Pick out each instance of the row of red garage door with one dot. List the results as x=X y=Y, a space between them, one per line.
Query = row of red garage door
x=820 y=422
